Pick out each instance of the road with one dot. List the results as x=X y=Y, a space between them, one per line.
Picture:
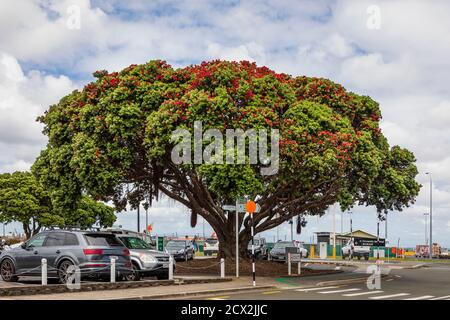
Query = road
x=430 y=283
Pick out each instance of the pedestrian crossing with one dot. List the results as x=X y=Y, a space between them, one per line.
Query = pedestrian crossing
x=346 y=291
x=370 y=294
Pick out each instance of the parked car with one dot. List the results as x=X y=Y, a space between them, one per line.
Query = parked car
x=261 y=250
x=278 y=252
x=89 y=250
x=303 y=251
x=145 y=261
x=151 y=240
x=352 y=249
x=3 y=245
x=180 y=249
x=210 y=246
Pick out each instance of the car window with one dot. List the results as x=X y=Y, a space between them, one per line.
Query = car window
x=99 y=239
x=134 y=243
x=176 y=244
x=54 y=239
x=37 y=241
x=70 y=239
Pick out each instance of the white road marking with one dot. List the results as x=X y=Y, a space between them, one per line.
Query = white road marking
x=339 y=291
x=315 y=289
x=362 y=293
x=420 y=298
x=390 y=296
x=441 y=298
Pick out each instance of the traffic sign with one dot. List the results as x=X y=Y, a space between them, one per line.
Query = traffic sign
x=296 y=257
x=229 y=207
x=252 y=207
x=149 y=228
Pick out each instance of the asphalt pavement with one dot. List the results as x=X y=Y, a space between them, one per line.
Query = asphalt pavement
x=423 y=283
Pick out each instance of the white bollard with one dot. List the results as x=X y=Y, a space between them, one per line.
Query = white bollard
x=299 y=265
x=44 y=272
x=113 y=270
x=289 y=263
x=222 y=268
x=170 y=268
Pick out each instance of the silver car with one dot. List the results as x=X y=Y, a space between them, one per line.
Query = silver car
x=91 y=251
x=145 y=261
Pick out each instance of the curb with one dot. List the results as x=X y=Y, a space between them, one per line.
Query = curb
x=196 y=293
x=94 y=286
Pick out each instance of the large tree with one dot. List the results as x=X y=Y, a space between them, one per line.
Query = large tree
x=24 y=199
x=112 y=140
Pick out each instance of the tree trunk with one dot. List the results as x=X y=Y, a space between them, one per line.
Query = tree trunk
x=227 y=243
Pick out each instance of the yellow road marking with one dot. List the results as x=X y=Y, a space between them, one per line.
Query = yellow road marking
x=271 y=292
x=218 y=298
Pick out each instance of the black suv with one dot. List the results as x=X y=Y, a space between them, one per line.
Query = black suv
x=91 y=251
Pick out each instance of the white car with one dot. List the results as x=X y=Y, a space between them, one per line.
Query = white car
x=351 y=250
x=210 y=246
x=303 y=251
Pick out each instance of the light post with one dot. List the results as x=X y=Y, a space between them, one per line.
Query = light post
x=351 y=225
x=431 y=215
x=203 y=228
x=291 y=222
x=425 y=214
x=138 y=218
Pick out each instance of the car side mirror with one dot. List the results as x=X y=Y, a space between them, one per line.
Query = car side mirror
x=24 y=245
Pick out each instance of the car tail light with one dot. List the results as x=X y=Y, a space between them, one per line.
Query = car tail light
x=126 y=252
x=92 y=251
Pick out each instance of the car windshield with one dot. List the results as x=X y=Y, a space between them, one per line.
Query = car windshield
x=177 y=244
x=134 y=243
x=211 y=242
x=100 y=239
x=281 y=245
x=256 y=242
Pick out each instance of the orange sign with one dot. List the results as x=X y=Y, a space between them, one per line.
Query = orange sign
x=250 y=207
x=149 y=228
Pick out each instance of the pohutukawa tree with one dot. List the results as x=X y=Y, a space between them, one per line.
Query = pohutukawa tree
x=112 y=140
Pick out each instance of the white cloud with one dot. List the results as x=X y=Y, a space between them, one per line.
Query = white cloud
x=22 y=99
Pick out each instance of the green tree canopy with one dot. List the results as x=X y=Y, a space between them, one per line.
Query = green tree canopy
x=112 y=140
x=24 y=199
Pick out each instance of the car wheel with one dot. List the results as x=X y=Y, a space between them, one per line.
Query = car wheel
x=366 y=257
x=7 y=270
x=63 y=274
x=359 y=257
x=135 y=275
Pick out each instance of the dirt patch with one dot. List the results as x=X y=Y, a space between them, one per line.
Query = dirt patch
x=263 y=268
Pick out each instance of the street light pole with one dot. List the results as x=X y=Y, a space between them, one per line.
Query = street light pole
x=426 y=228
x=431 y=215
x=138 y=217
x=292 y=229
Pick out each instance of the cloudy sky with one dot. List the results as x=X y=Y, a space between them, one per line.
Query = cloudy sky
x=395 y=51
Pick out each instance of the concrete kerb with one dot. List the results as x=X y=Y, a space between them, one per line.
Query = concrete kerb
x=197 y=293
x=96 y=286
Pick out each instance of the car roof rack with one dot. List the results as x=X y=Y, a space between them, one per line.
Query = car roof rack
x=71 y=228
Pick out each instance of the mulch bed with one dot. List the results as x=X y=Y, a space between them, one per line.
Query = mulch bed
x=263 y=268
